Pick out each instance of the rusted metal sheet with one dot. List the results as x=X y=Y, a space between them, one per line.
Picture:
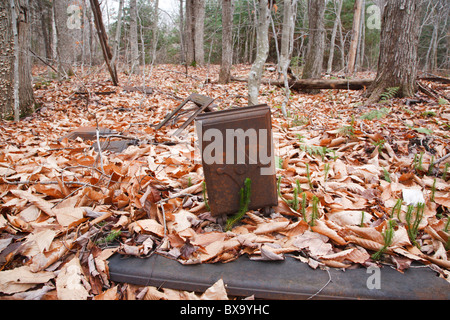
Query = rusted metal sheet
x=202 y=103
x=237 y=144
x=90 y=133
x=87 y=133
x=117 y=146
x=285 y=280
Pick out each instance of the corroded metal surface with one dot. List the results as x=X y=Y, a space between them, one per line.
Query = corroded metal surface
x=203 y=103
x=237 y=144
x=283 y=280
x=87 y=133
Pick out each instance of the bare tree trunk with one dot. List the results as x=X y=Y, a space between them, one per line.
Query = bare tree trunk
x=118 y=32
x=66 y=38
x=134 y=38
x=155 y=30
x=355 y=37
x=262 y=40
x=430 y=62
x=397 y=63
x=190 y=23
x=316 y=42
x=199 y=32
x=43 y=10
x=333 y=35
x=103 y=39
x=287 y=45
x=182 y=35
x=227 y=38
x=15 y=67
x=362 y=39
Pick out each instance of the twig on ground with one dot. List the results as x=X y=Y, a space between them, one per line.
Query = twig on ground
x=326 y=284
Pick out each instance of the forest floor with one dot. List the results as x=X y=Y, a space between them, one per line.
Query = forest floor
x=65 y=210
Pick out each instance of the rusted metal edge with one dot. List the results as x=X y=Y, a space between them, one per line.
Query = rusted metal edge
x=280 y=280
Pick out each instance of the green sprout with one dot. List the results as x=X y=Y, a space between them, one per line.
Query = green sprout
x=388 y=235
x=308 y=175
x=244 y=202
x=387 y=176
x=315 y=211
x=112 y=235
x=304 y=206
x=433 y=190
x=413 y=226
x=362 y=219
x=397 y=208
x=431 y=167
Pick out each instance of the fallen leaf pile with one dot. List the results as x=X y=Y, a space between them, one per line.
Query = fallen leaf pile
x=66 y=208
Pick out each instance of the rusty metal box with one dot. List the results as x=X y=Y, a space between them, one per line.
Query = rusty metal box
x=237 y=144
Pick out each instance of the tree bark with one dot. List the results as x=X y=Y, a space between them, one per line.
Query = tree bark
x=199 y=33
x=262 y=47
x=316 y=41
x=333 y=35
x=103 y=38
x=227 y=45
x=66 y=49
x=287 y=45
x=317 y=84
x=195 y=20
x=355 y=36
x=134 y=47
x=397 y=63
x=45 y=19
x=189 y=39
x=155 y=30
x=16 y=91
x=118 y=32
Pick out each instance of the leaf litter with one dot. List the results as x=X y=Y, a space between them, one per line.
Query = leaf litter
x=65 y=208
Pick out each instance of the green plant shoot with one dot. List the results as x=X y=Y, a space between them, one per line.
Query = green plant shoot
x=244 y=202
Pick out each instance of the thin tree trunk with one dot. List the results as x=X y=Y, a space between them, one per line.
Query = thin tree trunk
x=355 y=37
x=362 y=39
x=342 y=47
x=287 y=45
x=182 y=35
x=262 y=40
x=66 y=43
x=333 y=35
x=134 y=51
x=199 y=32
x=43 y=10
x=316 y=42
x=430 y=62
x=118 y=32
x=155 y=31
x=16 y=91
x=190 y=23
x=397 y=63
x=103 y=38
x=227 y=38
x=15 y=32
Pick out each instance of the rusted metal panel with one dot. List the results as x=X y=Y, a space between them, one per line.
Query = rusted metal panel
x=237 y=144
x=203 y=103
x=90 y=133
x=285 y=280
x=87 y=133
